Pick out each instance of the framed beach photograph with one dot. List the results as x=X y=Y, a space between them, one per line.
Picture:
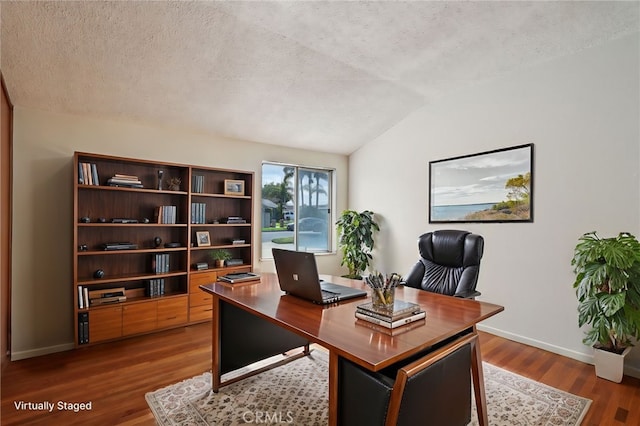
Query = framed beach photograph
x=491 y=186
x=233 y=187
x=202 y=239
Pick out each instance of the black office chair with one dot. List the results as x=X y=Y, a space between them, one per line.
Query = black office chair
x=449 y=263
x=434 y=389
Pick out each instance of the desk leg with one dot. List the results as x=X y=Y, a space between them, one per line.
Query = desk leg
x=478 y=382
x=215 y=345
x=333 y=388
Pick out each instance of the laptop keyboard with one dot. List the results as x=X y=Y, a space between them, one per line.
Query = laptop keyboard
x=326 y=294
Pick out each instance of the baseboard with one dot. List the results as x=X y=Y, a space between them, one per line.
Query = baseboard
x=586 y=358
x=15 y=356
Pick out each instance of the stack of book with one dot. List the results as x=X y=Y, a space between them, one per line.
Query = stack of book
x=198 y=212
x=197 y=183
x=401 y=314
x=83 y=327
x=127 y=181
x=160 y=263
x=239 y=277
x=109 y=295
x=88 y=174
x=155 y=287
x=166 y=214
x=235 y=219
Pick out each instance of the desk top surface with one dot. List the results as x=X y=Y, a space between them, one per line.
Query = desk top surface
x=336 y=327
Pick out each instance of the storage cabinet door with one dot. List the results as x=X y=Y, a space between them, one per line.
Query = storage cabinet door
x=105 y=323
x=200 y=278
x=201 y=313
x=139 y=318
x=200 y=303
x=172 y=311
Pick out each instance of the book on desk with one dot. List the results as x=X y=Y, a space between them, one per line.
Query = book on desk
x=239 y=277
x=401 y=314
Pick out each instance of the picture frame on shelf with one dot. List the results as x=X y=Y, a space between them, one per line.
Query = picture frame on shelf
x=233 y=187
x=203 y=239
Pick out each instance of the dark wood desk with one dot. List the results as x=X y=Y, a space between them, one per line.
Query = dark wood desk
x=291 y=322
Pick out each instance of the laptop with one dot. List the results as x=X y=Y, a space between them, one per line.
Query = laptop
x=298 y=276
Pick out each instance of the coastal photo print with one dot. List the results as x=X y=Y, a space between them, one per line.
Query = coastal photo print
x=492 y=186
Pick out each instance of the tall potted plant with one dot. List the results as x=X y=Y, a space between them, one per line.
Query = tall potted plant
x=608 y=289
x=356 y=242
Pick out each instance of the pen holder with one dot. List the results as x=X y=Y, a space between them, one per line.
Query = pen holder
x=383 y=298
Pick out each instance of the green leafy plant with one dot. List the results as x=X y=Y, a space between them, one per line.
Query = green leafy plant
x=356 y=242
x=220 y=254
x=608 y=289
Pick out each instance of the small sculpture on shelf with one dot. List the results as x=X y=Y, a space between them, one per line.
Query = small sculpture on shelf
x=174 y=184
x=160 y=173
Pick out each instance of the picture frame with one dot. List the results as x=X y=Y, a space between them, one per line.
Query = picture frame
x=233 y=187
x=203 y=239
x=490 y=186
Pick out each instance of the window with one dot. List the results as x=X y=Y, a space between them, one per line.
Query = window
x=296 y=208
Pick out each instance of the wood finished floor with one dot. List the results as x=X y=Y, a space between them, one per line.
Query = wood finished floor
x=114 y=378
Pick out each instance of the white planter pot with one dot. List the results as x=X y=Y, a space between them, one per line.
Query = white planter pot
x=610 y=365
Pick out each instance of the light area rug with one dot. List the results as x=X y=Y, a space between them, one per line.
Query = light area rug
x=296 y=393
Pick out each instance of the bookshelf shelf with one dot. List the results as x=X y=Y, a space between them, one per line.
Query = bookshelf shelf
x=126 y=278
x=160 y=283
x=121 y=252
x=237 y=197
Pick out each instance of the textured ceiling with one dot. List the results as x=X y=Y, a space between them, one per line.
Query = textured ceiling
x=326 y=76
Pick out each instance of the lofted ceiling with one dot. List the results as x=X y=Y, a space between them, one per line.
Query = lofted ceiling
x=326 y=76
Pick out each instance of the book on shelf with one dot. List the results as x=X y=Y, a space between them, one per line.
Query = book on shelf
x=123 y=180
x=110 y=246
x=235 y=219
x=112 y=182
x=85 y=293
x=106 y=296
x=160 y=263
x=80 y=297
x=392 y=324
x=166 y=214
x=197 y=184
x=126 y=177
x=155 y=287
x=80 y=174
x=94 y=174
x=88 y=180
x=107 y=300
x=88 y=174
x=198 y=211
x=83 y=327
x=401 y=309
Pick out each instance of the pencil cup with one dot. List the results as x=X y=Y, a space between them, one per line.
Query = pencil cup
x=383 y=298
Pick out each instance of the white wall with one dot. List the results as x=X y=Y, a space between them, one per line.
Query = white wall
x=43 y=145
x=582 y=113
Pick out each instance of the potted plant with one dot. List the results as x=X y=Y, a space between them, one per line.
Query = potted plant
x=608 y=289
x=355 y=232
x=219 y=256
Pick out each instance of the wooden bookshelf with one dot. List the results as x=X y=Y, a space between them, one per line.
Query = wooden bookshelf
x=145 y=208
